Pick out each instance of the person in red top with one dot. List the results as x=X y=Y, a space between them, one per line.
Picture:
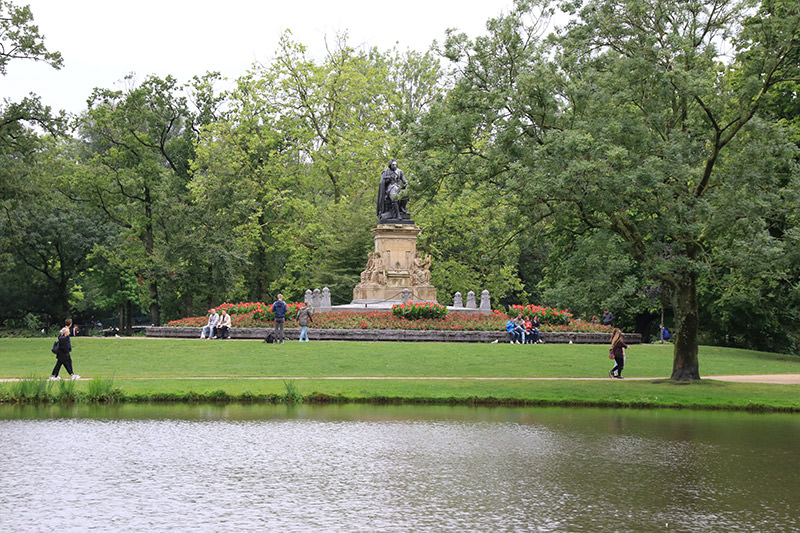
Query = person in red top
x=618 y=351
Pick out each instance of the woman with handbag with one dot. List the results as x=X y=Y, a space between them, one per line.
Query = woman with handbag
x=63 y=353
x=617 y=352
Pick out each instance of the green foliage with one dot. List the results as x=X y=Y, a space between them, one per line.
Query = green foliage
x=20 y=38
x=102 y=391
x=627 y=122
x=642 y=157
x=417 y=310
x=293 y=394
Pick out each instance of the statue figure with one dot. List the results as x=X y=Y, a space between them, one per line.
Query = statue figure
x=325 y=305
x=471 y=300
x=392 y=195
x=379 y=270
x=422 y=274
x=486 y=302
x=366 y=275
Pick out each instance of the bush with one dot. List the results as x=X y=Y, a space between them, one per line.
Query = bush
x=417 y=310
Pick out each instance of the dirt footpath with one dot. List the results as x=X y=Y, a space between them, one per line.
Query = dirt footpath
x=778 y=379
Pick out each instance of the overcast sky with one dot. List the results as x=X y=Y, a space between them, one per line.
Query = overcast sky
x=103 y=40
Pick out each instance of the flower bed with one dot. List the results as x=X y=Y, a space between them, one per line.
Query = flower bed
x=546 y=315
x=259 y=315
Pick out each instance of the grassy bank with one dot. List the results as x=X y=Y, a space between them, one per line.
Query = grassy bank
x=195 y=370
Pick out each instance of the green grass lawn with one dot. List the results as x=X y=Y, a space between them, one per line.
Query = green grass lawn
x=146 y=367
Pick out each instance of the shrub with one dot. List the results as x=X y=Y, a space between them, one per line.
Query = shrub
x=417 y=310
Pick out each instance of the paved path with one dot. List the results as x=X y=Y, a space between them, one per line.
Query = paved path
x=779 y=379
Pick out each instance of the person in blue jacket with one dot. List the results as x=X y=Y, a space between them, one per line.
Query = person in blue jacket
x=511 y=328
x=279 y=308
x=663 y=334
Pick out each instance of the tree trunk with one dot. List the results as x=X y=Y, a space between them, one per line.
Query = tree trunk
x=685 y=365
x=155 y=310
x=126 y=319
x=188 y=304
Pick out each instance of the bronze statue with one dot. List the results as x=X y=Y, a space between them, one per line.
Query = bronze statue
x=393 y=196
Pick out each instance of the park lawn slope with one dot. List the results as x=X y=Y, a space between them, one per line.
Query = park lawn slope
x=405 y=372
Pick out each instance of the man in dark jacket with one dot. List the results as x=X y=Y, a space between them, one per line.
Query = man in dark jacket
x=279 y=308
x=63 y=355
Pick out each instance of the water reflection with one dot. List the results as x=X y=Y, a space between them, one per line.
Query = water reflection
x=398 y=468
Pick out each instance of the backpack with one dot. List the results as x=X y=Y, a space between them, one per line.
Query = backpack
x=270 y=338
x=54 y=349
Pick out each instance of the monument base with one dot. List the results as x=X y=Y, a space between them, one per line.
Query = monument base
x=395 y=270
x=395 y=294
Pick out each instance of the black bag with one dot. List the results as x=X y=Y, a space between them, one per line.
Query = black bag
x=270 y=338
x=54 y=349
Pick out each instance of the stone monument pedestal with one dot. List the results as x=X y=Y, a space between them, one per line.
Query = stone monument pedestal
x=395 y=266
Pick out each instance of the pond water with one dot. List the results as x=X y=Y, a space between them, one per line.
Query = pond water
x=396 y=468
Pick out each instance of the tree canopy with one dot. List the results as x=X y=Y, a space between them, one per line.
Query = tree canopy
x=636 y=155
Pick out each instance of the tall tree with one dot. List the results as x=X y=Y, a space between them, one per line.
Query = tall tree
x=629 y=122
x=139 y=145
x=35 y=249
x=290 y=168
x=20 y=40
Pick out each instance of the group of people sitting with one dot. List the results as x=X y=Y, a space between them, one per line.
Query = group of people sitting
x=523 y=330
x=218 y=326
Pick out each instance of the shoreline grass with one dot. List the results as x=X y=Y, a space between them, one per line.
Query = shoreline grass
x=190 y=370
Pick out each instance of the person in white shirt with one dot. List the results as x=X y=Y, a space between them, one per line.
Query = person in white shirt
x=224 y=326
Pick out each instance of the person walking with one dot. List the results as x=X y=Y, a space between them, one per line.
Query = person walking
x=63 y=356
x=279 y=308
x=618 y=351
x=304 y=317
